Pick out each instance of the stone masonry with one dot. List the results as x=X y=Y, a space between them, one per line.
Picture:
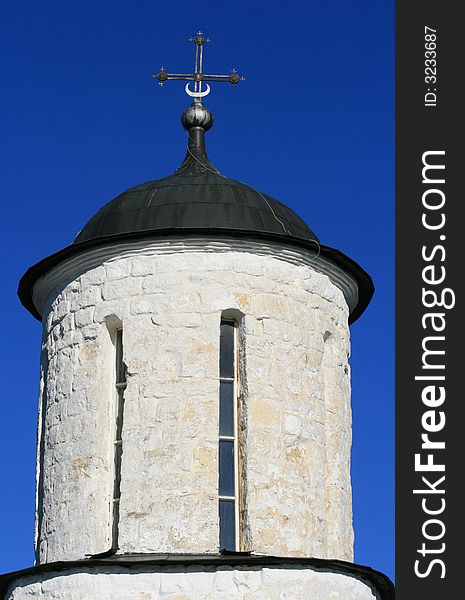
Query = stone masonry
x=295 y=385
x=194 y=584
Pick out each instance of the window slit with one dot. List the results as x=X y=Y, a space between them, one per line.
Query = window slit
x=120 y=385
x=228 y=476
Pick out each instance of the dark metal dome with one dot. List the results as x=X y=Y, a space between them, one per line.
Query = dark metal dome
x=196 y=200
x=195 y=196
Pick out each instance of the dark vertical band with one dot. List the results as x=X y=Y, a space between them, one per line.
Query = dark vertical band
x=227 y=449
x=429 y=324
x=118 y=433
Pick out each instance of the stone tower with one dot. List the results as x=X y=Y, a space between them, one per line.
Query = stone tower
x=194 y=418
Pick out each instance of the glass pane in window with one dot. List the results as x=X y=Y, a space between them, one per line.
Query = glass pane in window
x=120 y=370
x=226 y=408
x=227 y=525
x=226 y=475
x=227 y=350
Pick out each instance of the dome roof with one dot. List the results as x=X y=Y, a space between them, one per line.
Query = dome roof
x=197 y=200
x=195 y=197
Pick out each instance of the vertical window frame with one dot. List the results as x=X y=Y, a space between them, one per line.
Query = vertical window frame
x=117 y=433
x=236 y=499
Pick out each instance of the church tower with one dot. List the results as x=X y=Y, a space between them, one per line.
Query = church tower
x=194 y=420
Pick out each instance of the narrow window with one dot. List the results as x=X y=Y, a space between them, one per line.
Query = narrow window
x=228 y=476
x=118 y=429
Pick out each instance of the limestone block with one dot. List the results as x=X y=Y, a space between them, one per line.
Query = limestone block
x=122 y=288
x=94 y=276
x=84 y=317
x=143 y=265
x=89 y=296
x=116 y=269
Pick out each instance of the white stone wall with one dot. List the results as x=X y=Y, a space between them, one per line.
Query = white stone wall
x=169 y=298
x=190 y=584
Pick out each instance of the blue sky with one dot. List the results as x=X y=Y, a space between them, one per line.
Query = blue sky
x=312 y=125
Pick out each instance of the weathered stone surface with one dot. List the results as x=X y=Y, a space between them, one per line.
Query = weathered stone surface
x=296 y=406
x=189 y=584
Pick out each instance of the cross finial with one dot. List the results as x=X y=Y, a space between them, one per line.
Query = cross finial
x=198 y=76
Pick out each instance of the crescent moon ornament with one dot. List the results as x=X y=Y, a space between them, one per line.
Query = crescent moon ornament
x=197 y=94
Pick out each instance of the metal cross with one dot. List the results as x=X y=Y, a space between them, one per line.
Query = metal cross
x=198 y=76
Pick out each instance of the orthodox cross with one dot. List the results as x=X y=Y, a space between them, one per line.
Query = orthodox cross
x=198 y=76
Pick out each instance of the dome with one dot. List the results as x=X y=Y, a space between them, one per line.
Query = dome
x=198 y=200
x=195 y=197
